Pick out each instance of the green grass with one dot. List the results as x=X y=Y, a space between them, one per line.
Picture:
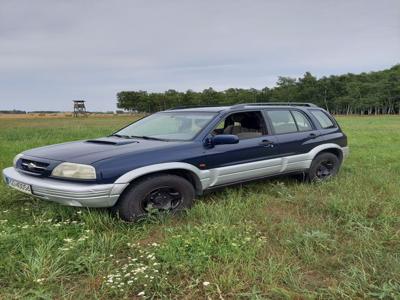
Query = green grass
x=278 y=239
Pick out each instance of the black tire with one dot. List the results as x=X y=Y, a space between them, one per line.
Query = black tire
x=323 y=167
x=161 y=192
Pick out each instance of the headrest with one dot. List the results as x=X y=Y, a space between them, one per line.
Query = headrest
x=251 y=123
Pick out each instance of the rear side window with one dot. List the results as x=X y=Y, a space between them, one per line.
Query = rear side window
x=282 y=121
x=302 y=122
x=323 y=119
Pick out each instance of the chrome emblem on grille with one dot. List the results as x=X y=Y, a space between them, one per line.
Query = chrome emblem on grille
x=31 y=166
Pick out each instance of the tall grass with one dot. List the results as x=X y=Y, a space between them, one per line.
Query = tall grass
x=277 y=238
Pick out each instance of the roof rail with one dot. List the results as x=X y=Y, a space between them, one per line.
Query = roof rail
x=194 y=106
x=274 y=103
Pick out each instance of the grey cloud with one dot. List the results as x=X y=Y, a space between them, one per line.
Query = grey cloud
x=54 y=51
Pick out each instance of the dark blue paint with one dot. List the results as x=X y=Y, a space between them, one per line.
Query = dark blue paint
x=114 y=156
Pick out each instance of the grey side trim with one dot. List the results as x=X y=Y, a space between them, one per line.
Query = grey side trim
x=264 y=168
x=346 y=152
x=250 y=180
x=226 y=175
x=200 y=176
x=316 y=150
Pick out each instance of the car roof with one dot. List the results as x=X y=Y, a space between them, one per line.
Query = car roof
x=199 y=109
x=243 y=106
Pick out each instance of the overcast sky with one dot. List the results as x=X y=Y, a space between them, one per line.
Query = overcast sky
x=54 y=51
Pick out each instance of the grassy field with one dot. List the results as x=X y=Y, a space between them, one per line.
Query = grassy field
x=278 y=239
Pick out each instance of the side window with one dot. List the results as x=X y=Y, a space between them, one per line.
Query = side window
x=303 y=124
x=282 y=121
x=323 y=119
x=245 y=125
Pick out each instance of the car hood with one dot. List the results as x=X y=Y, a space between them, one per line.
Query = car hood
x=90 y=151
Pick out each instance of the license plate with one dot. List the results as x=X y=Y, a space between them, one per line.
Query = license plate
x=20 y=186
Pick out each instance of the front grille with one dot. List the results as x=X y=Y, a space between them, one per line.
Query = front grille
x=33 y=166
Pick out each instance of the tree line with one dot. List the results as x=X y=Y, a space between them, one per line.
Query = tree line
x=14 y=111
x=365 y=94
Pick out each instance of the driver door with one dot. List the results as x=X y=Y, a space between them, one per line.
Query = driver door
x=254 y=156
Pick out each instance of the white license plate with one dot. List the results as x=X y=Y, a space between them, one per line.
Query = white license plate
x=20 y=186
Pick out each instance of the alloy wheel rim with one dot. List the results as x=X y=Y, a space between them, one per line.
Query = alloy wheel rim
x=162 y=199
x=324 y=170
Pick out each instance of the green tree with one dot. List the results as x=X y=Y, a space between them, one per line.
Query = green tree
x=365 y=93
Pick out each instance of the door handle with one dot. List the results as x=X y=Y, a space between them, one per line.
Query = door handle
x=267 y=144
x=312 y=135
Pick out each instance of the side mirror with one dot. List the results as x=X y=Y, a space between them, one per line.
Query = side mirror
x=224 y=139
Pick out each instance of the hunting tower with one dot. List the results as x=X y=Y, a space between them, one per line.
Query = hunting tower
x=79 y=108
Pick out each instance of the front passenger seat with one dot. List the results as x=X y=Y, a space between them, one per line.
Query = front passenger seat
x=250 y=128
x=234 y=126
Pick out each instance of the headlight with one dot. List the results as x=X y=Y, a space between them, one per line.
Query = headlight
x=15 y=160
x=71 y=170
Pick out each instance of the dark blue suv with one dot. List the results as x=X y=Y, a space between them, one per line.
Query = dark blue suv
x=162 y=161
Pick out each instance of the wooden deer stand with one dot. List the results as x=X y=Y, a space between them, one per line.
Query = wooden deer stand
x=79 y=108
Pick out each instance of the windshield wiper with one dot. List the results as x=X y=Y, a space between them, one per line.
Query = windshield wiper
x=145 y=137
x=121 y=136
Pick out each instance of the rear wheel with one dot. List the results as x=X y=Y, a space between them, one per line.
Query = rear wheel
x=156 y=193
x=324 y=166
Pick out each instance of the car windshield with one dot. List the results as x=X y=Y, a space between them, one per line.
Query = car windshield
x=168 y=126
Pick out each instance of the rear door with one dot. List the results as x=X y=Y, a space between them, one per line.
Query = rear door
x=296 y=135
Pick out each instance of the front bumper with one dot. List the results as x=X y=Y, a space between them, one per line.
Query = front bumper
x=66 y=192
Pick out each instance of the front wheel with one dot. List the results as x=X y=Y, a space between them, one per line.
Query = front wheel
x=156 y=193
x=323 y=167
